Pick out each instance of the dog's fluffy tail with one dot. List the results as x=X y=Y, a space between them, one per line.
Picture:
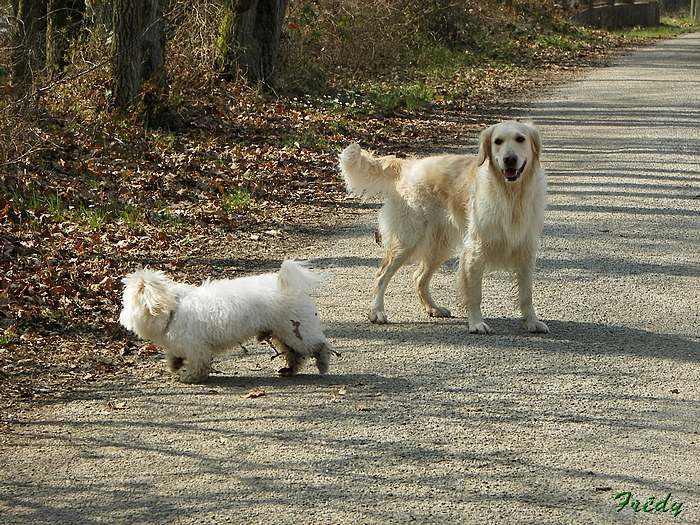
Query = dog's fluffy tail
x=367 y=175
x=294 y=277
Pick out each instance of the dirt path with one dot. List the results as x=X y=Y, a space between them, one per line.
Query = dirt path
x=420 y=421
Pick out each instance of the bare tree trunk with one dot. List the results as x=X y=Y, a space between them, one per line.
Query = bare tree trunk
x=27 y=42
x=153 y=45
x=138 y=52
x=249 y=38
x=99 y=12
x=63 y=20
x=126 y=53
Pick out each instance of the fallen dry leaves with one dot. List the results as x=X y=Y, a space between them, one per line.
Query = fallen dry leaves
x=337 y=394
x=254 y=394
x=94 y=199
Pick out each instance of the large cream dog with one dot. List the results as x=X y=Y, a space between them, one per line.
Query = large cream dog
x=492 y=204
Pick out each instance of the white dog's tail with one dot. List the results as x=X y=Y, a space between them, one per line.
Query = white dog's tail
x=367 y=175
x=293 y=277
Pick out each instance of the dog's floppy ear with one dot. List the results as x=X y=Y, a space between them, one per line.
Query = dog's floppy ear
x=150 y=292
x=156 y=298
x=484 y=146
x=536 y=140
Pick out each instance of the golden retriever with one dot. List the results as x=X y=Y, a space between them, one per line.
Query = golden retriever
x=491 y=204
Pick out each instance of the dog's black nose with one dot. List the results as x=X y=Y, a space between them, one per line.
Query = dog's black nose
x=510 y=161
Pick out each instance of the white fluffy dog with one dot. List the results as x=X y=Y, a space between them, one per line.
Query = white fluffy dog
x=193 y=324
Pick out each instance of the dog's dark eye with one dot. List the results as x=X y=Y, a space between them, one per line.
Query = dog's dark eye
x=520 y=138
x=498 y=142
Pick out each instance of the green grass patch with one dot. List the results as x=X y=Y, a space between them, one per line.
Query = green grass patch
x=7 y=339
x=309 y=138
x=169 y=222
x=51 y=204
x=133 y=217
x=94 y=217
x=410 y=97
x=669 y=27
x=236 y=201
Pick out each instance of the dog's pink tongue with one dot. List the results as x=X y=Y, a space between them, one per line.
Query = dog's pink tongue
x=511 y=174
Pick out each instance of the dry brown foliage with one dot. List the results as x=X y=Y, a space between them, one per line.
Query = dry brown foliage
x=225 y=181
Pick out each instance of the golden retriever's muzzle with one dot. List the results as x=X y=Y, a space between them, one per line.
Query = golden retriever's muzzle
x=510 y=169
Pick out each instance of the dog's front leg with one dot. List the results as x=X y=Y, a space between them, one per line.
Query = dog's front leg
x=175 y=363
x=524 y=275
x=198 y=366
x=471 y=274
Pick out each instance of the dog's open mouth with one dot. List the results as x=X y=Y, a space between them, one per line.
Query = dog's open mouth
x=512 y=174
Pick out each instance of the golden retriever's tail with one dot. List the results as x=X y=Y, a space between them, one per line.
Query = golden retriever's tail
x=367 y=175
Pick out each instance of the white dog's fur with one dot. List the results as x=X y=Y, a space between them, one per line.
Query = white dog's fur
x=493 y=204
x=193 y=324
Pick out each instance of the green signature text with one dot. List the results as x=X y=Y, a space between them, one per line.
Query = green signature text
x=650 y=505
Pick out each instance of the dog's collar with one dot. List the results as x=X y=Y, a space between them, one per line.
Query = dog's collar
x=172 y=313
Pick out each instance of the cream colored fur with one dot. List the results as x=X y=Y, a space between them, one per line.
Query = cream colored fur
x=490 y=205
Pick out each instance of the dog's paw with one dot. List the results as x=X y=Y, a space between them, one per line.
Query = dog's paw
x=479 y=328
x=378 y=317
x=536 y=327
x=439 y=311
x=187 y=378
x=286 y=372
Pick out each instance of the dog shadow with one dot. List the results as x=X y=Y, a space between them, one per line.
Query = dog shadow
x=565 y=337
x=235 y=382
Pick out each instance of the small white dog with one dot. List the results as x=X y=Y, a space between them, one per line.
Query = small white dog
x=194 y=324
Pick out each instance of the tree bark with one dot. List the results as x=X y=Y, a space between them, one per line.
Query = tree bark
x=138 y=52
x=126 y=53
x=63 y=21
x=27 y=43
x=249 y=38
x=153 y=45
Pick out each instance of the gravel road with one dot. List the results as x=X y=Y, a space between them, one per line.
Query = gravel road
x=419 y=421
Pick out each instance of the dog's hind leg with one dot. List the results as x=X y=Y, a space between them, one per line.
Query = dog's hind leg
x=396 y=256
x=433 y=255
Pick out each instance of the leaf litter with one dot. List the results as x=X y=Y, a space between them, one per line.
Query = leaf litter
x=229 y=193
